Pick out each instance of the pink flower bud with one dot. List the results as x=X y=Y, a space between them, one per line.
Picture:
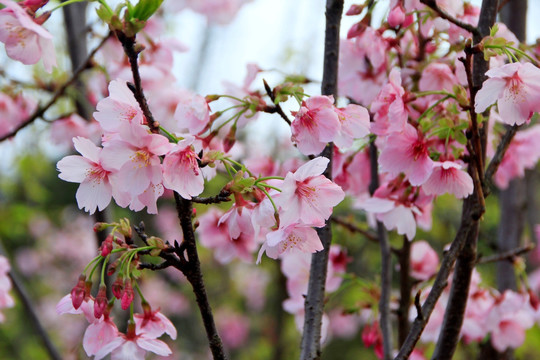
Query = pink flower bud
x=355 y=9
x=118 y=287
x=78 y=293
x=100 y=304
x=371 y=334
x=127 y=295
x=356 y=30
x=107 y=246
x=396 y=16
x=230 y=139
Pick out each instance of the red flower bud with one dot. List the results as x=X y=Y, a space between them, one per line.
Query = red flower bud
x=107 y=246
x=78 y=293
x=127 y=295
x=118 y=287
x=100 y=304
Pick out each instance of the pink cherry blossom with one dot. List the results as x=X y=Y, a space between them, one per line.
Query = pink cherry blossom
x=447 y=177
x=315 y=124
x=516 y=88
x=98 y=334
x=135 y=159
x=132 y=347
x=508 y=320
x=479 y=305
x=13 y=111
x=389 y=110
x=522 y=153
x=308 y=196
x=233 y=327
x=181 y=171
x=118 y=109
x=6 y=301
x=352 y=172
x=354 y=124
x=95 y=190
x=64 y=130
x=25 y=40
x=294 y=236
x=393 y=215
x=192 y=114
x=437 y=76
x=154 y=323
x=407 y=152
x=357 y=79
x=214 y=234
x=424 y=260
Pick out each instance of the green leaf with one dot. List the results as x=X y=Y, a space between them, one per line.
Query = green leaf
x=145 y=9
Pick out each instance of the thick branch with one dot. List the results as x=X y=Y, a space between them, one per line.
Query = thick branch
x=311 y=338
x=40 y=111
x=457 y=302
x=194 y=275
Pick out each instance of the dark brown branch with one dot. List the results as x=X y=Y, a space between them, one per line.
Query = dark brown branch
x=277 y=108
x=355 y=229
x=193 y=273
x=405 y=288
x=40 y=111
x=219 y=198
x=498 y=157
x=311 y=338
x=128 y=43
x=443 y=14
x=509 y=255
x=386 y=262
x=190 y=267
x=457 y=302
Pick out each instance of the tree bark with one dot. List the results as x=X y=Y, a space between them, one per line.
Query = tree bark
x=314 y=304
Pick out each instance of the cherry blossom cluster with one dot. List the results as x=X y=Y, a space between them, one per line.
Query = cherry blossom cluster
x=102 y=336
x=417 y=106
x=6 y=301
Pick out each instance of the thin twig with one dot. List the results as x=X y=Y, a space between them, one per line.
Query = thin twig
x=355 y=229
x=40 y=111
x=223 y=196
x=509 y=255
x=128 y=43
x=277 y=107
x=443 y=14
x=498 y=157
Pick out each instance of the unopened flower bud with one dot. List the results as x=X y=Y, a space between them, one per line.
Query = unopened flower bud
x=127 y=295
x=100 y=226
x=78 y=293
x=107 y=246
x=118 y=287
x=100 y=304
x=396 y=17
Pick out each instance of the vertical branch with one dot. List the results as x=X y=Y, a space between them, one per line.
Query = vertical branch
x=193 y=273
x=311 y=338
x=191 y=267
x=457 y=302
x=386 y=262
x=405 y=288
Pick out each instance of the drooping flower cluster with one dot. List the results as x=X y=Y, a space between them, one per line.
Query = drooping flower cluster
x=102 y=336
